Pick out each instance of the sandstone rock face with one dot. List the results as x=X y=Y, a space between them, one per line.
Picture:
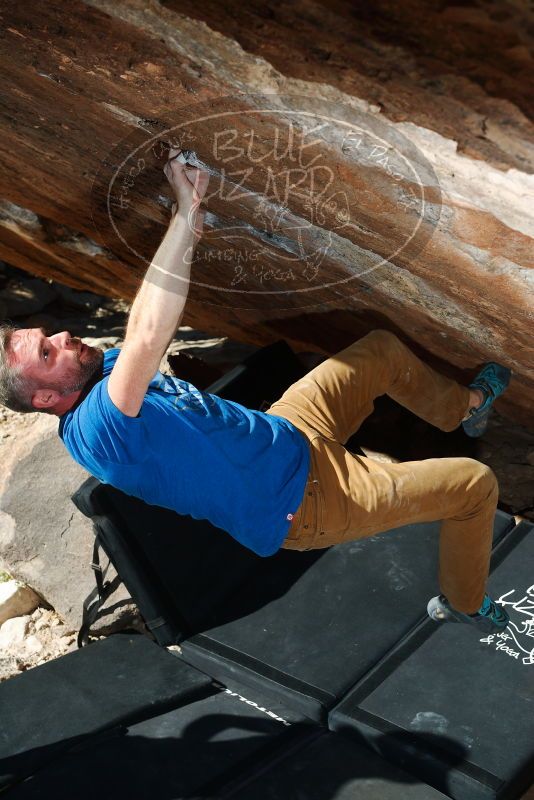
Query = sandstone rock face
x=371 y=166
x=45 y=542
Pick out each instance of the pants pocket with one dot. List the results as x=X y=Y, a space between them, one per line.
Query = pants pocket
x=307 y=527
x=317 y=535
x=296 y=525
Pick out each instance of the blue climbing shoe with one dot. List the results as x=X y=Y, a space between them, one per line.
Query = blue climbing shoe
x=492 y=380
x=490 y=618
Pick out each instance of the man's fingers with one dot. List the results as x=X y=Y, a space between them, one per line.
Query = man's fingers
x=172 y=167
x=188 y=182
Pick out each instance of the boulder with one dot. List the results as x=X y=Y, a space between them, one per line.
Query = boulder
x=365 y=172
x=45 y=542
x=21 y=298
x=16 y=600
x=85 y=301
x=13 y=631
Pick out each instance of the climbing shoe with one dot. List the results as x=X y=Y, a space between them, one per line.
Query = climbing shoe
x=490 y=618
x=492 y=380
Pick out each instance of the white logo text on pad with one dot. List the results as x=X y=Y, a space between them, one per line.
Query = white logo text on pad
x=517 y=640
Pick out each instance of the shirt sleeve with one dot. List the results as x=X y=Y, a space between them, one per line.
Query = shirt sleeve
x=108 y=433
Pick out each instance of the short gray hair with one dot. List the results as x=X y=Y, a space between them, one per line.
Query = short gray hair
x=15 y=389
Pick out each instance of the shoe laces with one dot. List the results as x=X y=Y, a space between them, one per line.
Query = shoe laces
x=489 y=381
x=490 y=609
x=487 y=609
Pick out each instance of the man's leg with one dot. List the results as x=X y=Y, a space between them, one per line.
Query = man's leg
x=357 y=497
x=335 y=397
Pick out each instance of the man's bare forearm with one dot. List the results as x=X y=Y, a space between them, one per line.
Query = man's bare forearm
x=159 y=304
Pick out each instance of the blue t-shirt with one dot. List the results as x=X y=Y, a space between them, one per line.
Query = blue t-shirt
x=194 y=453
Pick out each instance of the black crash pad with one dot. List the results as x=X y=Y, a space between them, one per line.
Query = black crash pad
x=304 y=626
x=331 y=768
x=193 y=751
x=224 y=745
x=455 y=706
x=57 y=705
x=311 y=624
x=170 y=564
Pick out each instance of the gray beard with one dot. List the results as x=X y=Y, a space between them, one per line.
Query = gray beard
x=87 y=370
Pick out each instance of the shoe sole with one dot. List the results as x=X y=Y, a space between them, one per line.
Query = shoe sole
x=474 y=427
x=440 y=614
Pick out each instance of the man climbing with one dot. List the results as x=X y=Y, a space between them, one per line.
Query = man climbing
x=282 y=478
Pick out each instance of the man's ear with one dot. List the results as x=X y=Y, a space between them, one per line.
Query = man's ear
x=45 y=398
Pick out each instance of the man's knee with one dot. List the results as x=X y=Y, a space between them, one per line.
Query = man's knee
x=385 y=338
x=476 y=489
x=481 y=477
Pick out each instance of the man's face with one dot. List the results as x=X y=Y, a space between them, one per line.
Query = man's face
x=59 y=365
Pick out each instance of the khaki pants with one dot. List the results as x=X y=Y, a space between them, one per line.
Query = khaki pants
x=350 y=497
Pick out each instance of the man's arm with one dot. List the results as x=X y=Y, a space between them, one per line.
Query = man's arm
x=159 y=304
